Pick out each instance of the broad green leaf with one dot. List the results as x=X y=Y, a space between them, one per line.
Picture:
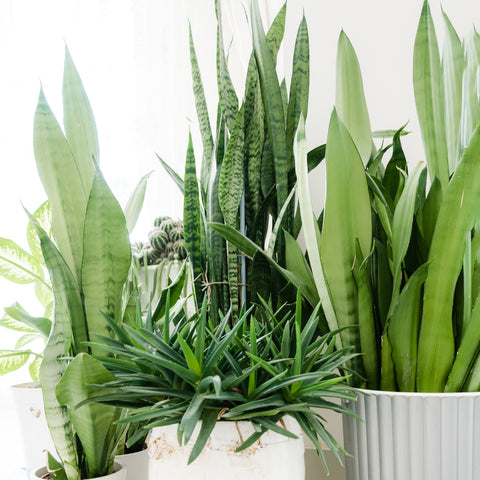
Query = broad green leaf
x=429 y=96
x=17 y=265
x=403 y=328
x=106 y=258
x=452 y=72
x=24 y=340
x=457 y=216
x=135 y=202
x=43 y=216
x=347 y=217
x=80 y=128
x=8 y=322
x=68 y=200
x=93 y=422
x=350 y=101
x=402 y=229
x=68 y=313
x=12 y=360
x=40 y=325
x=366 y=321
x=467 y=352
x=311 y=229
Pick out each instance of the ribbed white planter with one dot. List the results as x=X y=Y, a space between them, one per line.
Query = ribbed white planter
x=136 y=464
x=273 y=457
x=120 y=473
x=28 y=402
x=413 y=436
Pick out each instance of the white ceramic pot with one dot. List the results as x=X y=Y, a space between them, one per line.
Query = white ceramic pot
x=33 y=425
x=136 y=464
x=120 y=473
x=272 y=457
x=413 y=436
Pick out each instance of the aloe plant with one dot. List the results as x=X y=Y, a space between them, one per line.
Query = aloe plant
x=393 y=257
x=187 y=371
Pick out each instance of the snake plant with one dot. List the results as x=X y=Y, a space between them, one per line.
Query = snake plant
x=247 y=171
x=88 y=262
x=393 y=255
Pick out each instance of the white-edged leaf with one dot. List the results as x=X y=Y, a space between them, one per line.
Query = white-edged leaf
x=11 y=361
x=17 y=265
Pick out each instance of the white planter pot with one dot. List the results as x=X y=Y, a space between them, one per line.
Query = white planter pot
x=414 y=436
x=136 y=464
x=273 y=457
x=33 y=425
x=120 y=473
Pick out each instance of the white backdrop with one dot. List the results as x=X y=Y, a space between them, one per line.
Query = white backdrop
x=133 y=58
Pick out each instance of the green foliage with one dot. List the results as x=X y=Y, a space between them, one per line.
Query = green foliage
x=22 y=267
x=247 y=171
x=88 y=265
x=264 y=367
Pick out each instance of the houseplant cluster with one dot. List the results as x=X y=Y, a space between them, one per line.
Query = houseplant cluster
x=384 y=299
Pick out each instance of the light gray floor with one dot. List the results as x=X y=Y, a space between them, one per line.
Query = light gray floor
x=314 y=468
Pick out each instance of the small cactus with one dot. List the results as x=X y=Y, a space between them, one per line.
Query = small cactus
x=166 y=241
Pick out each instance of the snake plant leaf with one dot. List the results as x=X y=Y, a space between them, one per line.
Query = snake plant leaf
x=388 y=381
x=226 y=91
x=273 y=105
x=135 y=202
x=350 y=101
x=202 y=115
x=106 y=258
x=191 y=218
x=172 y=173
x=44 y=217
x=17 y=265
x=80 y=128
x=393 y=179
x=457 y=216
x=452 y=73
x=402 y=229
x=403 y=327
x=68 y=330
x=347 y=218
x=430 y=211
x=68 y=200
x=366 y=320
x=429 y=96
x=230 y=191
x=310 y=227
x=299 y=85
x=93 y=422
x=467 y=352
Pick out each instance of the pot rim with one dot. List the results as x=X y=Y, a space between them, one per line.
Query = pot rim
x=118 y=465
x=388 y=393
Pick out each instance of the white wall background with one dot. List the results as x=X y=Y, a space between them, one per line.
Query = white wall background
x=133 y=58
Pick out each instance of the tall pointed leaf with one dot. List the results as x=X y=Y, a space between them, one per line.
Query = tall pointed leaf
x=429 y=96
x=350 y=98
x=135 y=202
x=347 y=217
x=106 y=258
x=458 y=213
x=80 y=128
x=68 y=200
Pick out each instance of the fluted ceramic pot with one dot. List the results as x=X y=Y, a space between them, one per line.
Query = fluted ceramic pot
x=413 y=436
x=272 y=457
x=136 y=464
